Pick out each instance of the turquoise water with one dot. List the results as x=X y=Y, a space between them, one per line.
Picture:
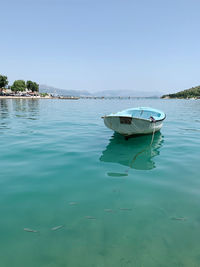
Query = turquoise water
x=60 y=164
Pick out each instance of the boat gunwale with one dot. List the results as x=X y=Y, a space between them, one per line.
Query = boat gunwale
x=148 y=120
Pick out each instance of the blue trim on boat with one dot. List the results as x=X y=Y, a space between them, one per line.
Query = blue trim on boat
x=144 y=113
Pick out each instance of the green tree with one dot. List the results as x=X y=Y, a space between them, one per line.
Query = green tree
x=33 y=86
x=3 y=81
x=18 y=85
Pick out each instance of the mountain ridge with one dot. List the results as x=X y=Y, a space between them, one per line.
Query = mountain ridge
x=103 y=93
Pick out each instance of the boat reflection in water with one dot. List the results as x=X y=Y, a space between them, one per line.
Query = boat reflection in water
x=137 y=152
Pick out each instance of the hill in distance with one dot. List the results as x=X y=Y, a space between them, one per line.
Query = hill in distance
x=127 y=93
x=53 y=90
x=103 y=93
x=193 y=92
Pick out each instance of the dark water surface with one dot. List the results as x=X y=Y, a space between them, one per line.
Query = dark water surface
x=120 y=203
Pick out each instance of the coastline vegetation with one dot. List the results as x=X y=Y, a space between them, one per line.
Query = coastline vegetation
x=44 y=94
x=193 y=92
x=3 y=81
x=18 y=85
x=22 y=89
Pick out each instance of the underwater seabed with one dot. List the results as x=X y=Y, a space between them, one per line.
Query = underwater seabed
x=136 y=153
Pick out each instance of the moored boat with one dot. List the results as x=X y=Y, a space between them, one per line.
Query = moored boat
x=135 y=121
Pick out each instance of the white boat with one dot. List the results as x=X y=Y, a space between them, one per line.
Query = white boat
x=135 y=121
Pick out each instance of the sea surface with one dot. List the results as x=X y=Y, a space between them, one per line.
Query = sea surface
x=93 y=198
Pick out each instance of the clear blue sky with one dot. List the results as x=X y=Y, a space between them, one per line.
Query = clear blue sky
x=102 y=44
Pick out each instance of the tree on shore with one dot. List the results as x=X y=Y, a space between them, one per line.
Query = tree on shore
x=3 y=81
x=18 y=85
x=33 y=86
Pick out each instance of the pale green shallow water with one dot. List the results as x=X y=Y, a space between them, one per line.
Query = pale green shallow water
x=54 y=152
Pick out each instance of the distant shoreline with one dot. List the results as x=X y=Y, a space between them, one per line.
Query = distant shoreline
x=185 y=98
x=37 y=97
x=76 y=97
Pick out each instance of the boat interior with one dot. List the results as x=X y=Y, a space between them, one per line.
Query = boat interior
x=141 y=113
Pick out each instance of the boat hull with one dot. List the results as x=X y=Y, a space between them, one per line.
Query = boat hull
x=132 y=126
